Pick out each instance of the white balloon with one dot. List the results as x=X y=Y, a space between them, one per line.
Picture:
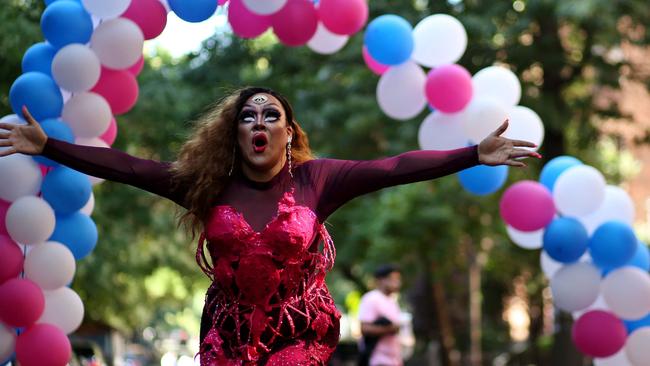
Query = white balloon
x=579 y=191
x=20 y=176
x=549 y=265
x=481 y=117
x=626 y=291
x=63 y=308
x=96 y=142
x=575 y=286
x=326 y=42
x=88 y=114
x=89 y=206
x=499 y=83
x=400 y=91
x=526 y=239
x=51 y=265
x=30 y=220
x=440 y=39
x=7 y=342
x=636 y=347
x=106 y=9
x=76 y=68
x=117 y=43
x=525 y=124
x=264 y=7
x=617 y=206
x=619 y=359
x=599 y=304
x=442 y=131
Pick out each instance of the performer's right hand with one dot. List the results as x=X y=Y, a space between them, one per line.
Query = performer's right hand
x=26 y=139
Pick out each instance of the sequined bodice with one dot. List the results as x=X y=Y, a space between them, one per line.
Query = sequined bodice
x=268 y=285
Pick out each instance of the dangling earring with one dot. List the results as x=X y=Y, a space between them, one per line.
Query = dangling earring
x=289 y=156
x=232 y=163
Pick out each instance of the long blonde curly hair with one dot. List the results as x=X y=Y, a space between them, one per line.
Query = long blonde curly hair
x=208 y=156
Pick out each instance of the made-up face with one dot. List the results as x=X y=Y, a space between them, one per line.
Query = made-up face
x=263 y=133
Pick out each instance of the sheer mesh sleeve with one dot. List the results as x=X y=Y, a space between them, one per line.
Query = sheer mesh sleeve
x=111 y=164
x=342 y=180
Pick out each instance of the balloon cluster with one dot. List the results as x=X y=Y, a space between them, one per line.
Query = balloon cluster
x=324 y=25
x=597 y=267
x=465 y=108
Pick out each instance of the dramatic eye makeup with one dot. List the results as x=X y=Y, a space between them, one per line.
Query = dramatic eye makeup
x=270 y=115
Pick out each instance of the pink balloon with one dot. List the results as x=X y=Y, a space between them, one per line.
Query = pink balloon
x=245 y=23
x=43 y=344
x=599 y=333
x=111 y=133
x=222 y=2
x=4 y=206
x=44 y=169
x=137 y=67
x=21 y=302
x=149 y=15
x=119 y=88
x=527 y=206
x=449 y=88
x=344 y=17
x=11 y=259
x=295 y=23
x=373 y=65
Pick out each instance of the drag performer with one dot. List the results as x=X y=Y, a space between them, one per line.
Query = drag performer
x=258 y=199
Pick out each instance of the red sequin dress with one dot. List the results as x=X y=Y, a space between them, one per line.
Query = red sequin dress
x=265 y=246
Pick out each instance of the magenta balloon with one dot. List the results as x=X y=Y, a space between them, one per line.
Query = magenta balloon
x=245 y=23
x=137 y=67
x=527 y=206
x=119 y=88
x=149 y=15
x=372 y=64
x=111 y=133
x=11 y=259
x=4 y=206
x=43 y=344
x=599 y=333
x=295 y=23
x=22 y=302
x=449 y=88
x=344 y=17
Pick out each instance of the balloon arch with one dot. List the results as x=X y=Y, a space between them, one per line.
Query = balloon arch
x=85 y=73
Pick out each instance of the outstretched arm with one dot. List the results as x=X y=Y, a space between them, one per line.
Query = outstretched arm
x=343 y=180
x=111 y=164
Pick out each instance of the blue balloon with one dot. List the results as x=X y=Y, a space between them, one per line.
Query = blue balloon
x=59 y=130
x=554 y=168
x=482 y=179
x=48 y=2
x=641 y=258
x=389 y=39
x=39 y=93
x=66 y=22
x=193 y=11
x=613 y=244
x=39 y=58
x=565 y=239
x=632 y=325
x=66 y=190
x=76 y=231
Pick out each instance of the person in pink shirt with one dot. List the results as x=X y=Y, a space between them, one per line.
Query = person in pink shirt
x=379 y=315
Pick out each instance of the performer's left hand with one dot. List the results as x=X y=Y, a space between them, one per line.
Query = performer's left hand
x=498 y=150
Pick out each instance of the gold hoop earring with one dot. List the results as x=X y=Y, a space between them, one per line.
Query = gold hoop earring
x=289 y=157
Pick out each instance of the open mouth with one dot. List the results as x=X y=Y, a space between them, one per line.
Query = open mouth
x=260 y=142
